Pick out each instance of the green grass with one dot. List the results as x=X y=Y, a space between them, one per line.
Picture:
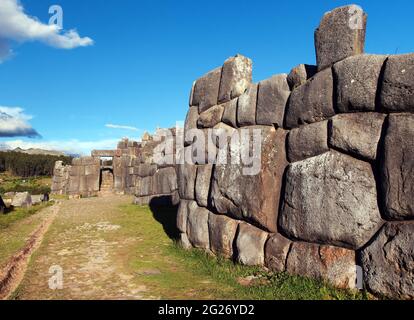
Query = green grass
x=6 y=220
x=221 y=275
x=15 y=228
x=271 y=286
x=33 y=185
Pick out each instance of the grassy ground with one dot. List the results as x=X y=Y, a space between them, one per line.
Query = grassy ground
x=15 y=228
x=34 y=185
x=109 y=249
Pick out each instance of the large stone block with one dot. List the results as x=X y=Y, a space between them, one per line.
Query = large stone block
x=397 y=88
x=236 y=77
x=246 y=108
x=300 y=74
x=357 y=133
x=146 y=170
x=197 y=228
x=184 y=209
x=271 y=100
x=186 y=176
x=211 y=117
x=206 y=90
x=222 y=231
x=331 y=199
x=73 y=185
x=397 y=167
x=190 y=124
x=307 y=141
x=332 y=264
x=92 y=182
x=164 y=181
x=255 y=196
x=311 y=102
x=202 y=186
x=341 y=34
x=388 y=262
x=92 y=170
x=230 y=113
x=184 y=242
x=250 y=242
x=22 y=199
x=356 y=82
x=276 y=251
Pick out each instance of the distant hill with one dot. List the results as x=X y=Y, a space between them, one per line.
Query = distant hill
x=40 y=151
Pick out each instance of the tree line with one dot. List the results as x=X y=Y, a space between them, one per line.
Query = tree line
x=29 y=165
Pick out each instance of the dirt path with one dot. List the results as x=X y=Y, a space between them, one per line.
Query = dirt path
x=107 y=248
x=12 y=274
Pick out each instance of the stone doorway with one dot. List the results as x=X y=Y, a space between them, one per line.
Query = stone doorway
x=106 y=182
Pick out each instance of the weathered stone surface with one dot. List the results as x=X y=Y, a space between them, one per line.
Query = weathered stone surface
x=300 y=74
x=186 y=176
x=276 y=251
x=37 y=199
x=221 y=134
x=397 y=93
x=190 y=124
x=341 y=34
x=254 y=196
x=331 y=199
x=357 y=133
x=246 y=108
x=388 y=262
x=311 y=102
x=197 y=228
x=250 y=243
x=211 y=117
x=146 y=170
x=206 y=90
x=184 y=242
x=22 y=199
x=336 y=265
x=272 y=97
x=230 y=113
x=236 y=77
x=356 y=81
x=92 y=170
x=202 y=187
x=222 y=231
x=397 y=167
x=164 y=181
x=184 y=208
x=307 y=141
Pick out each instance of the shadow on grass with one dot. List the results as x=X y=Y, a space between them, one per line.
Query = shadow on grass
x=165 y=212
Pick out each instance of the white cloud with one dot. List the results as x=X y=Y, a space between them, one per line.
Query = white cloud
x=14 y=123
x=117 y=126
x=16 y=25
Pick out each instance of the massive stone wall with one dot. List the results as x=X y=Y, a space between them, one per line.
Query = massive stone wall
x=330 y=190
x=335 y=190
x=133 y=169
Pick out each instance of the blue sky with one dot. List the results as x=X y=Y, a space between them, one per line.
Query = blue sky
x=146 y=54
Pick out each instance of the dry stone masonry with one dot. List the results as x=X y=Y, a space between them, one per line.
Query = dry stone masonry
x=334 y=192
x=132 y=170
